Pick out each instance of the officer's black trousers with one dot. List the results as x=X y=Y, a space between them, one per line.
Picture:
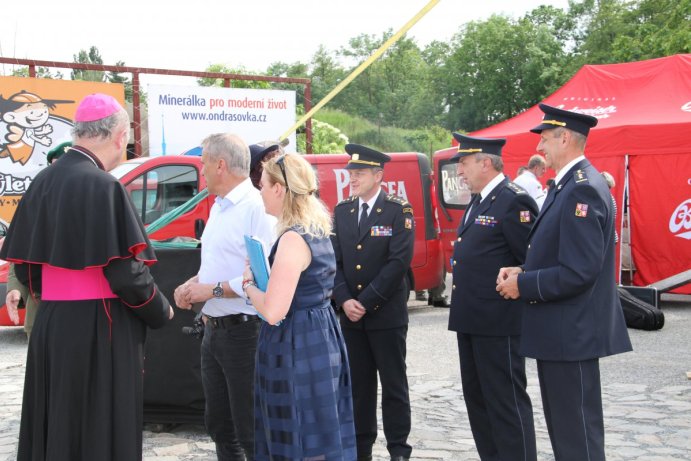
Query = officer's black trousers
x=382 y=351
x=572 y=401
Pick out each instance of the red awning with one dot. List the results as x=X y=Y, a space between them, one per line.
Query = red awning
x=643 y=108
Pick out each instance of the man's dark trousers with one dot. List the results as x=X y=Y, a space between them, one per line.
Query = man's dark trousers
x=494 y=389
x=572 y=402
x=227 y=365
x=382 y=351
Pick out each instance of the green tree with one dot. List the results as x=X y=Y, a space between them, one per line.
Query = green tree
x=563 y=25
x=610 y=31
x=41 y=72
x=117 y=77
x=289 y=70
x=604 y=22
x=93 y=56
x=404 y=71
x=428 y=105
x=325 y=72
x=222 y=68
x=362 y=95
x=393 y=90
x=498 y=68
x=657 y=28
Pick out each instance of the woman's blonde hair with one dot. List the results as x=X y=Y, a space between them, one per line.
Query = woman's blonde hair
x=301 y=207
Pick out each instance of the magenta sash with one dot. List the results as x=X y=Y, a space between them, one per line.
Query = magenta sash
x=73 y=285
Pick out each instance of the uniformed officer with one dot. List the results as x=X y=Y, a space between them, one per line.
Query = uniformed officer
x=493 y=234
x=373 y=241
x=573 y=316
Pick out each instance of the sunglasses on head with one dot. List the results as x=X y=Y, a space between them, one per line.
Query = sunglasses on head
x=280 y=161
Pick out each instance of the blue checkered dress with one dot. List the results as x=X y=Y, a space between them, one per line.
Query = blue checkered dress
x=303 y=397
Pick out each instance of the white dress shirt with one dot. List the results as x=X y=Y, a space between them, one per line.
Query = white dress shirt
x=566 y=168
x=223 y=245
x=489 y=187
x=370 y=204
x=528 y=181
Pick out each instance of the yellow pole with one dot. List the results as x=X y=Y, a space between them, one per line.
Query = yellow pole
x=365 y=64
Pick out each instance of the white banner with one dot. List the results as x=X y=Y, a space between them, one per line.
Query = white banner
x=180 y=117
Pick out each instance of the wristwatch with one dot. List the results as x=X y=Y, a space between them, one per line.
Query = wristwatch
x=217 y=291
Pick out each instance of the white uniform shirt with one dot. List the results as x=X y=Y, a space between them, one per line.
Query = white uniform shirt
x=370 y=204
x=223 y=245
x=528 y=181
x=489 y=187
x=565 y=169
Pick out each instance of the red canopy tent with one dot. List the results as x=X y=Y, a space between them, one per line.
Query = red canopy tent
x=643 y=138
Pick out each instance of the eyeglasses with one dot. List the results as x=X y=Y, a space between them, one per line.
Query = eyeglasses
x=280 y=162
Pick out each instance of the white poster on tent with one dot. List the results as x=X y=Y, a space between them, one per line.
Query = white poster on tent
x=180 y=117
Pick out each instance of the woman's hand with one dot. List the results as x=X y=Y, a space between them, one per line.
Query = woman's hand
x=247 y=275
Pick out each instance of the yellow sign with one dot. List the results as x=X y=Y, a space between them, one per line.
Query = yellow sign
x=36 y=115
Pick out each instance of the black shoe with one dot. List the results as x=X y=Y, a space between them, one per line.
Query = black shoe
x=441 y=302
x=364 y=458
x=399 y=458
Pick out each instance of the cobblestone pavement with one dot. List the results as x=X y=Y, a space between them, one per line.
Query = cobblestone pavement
x=646 y=396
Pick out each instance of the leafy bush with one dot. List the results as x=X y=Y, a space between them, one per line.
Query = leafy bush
x=326 y=139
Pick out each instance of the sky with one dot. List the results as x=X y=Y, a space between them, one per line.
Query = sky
x=253 y=34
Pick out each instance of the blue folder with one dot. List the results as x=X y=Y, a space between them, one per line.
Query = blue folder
x=258 y=261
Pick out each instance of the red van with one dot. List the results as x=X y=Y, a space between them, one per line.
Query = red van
x=453 y=197
x=409 y=176
x=158 y=185
x=4 y=270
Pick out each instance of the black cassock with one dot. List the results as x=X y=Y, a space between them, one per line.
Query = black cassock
x=84 y=371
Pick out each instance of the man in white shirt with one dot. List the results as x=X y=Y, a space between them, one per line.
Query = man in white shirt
x=232 y=325
x=528 y=180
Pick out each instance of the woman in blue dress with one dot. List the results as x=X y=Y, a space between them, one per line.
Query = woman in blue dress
x=303 y=398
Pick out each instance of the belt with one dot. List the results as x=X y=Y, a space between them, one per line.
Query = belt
x=228 y=321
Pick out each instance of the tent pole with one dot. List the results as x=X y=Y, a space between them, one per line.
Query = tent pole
x=626 y=214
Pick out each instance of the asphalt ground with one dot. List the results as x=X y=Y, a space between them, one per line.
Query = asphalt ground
x=646 y=396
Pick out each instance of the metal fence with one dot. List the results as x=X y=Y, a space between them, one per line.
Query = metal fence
x=138 y=114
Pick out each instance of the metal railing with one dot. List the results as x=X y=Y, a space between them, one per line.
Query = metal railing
x=136 y=72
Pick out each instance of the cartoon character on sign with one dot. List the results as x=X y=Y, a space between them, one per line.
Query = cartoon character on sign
x=26 y=116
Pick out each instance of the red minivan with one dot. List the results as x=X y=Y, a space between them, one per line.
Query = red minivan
x=158 y=185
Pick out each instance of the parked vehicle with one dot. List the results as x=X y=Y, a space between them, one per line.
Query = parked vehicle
x=158 y=185
x=453 y=197
x=4 y=270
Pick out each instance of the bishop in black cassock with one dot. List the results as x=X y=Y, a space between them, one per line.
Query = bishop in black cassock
x=81 y=248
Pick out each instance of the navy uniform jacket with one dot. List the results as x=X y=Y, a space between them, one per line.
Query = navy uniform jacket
x=494 y=236
x=573 y=311
x=371 y=266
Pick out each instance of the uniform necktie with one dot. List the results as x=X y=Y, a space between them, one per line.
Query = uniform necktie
x=473 y=203
x=363 y=217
